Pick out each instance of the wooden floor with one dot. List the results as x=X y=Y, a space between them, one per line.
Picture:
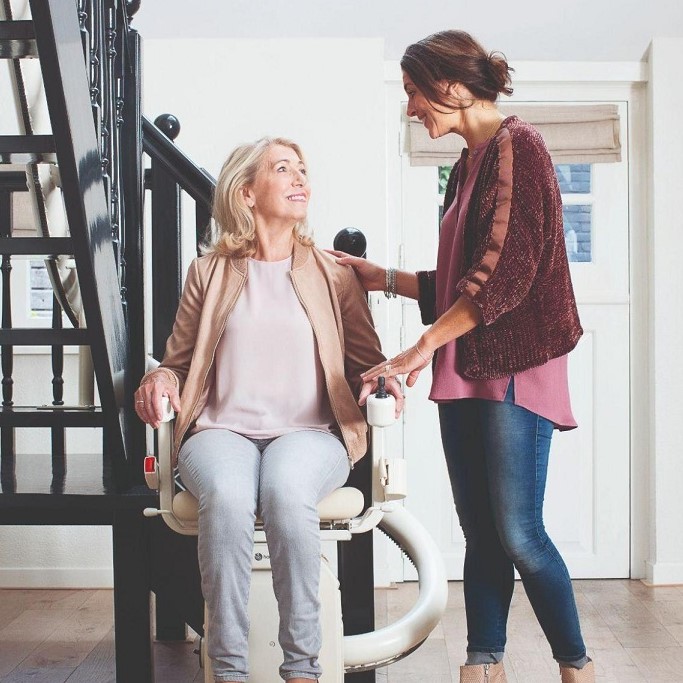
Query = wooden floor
x=634 y=633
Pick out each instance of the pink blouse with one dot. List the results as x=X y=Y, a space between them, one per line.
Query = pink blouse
x=267 y=376
x=543 y=390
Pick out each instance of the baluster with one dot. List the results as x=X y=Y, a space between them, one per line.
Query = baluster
x=166 y=253
x=7 y=450
x=105 y=105
x=83 y=24
x=58 y=433
x=120 y=212
x=95 y=65
x=110 y=108
x=202 y=223
x=132 y=189
x=102 y=92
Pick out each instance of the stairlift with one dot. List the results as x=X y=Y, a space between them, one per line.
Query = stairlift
x=340 y=519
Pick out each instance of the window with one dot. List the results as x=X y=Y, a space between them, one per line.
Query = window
x=577 y=210
x=41 y=291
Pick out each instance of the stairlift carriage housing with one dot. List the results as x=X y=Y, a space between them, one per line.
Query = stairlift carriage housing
x=339 y=521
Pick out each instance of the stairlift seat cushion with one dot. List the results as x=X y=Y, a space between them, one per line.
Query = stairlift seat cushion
x=342 y=504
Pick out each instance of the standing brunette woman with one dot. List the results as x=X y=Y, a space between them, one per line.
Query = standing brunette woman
x=503 y=319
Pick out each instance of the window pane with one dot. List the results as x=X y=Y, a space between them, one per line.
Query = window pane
x=574 y=178
x=444 y=172
x=577 y=231
x=41 y=291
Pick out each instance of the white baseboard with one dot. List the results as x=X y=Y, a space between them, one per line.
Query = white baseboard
x=664 y=573
x=55 y=577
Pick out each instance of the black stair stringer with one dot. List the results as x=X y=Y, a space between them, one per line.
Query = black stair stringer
x=67 y=94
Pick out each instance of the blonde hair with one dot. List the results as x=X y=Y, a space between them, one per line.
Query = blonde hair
x=234 y=230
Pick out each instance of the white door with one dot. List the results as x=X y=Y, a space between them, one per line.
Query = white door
x=587 y=497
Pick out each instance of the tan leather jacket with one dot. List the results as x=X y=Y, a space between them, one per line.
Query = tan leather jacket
x=335 y=304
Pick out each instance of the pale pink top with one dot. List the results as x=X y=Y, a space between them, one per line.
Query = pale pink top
x=267 y=375
x=543 y=390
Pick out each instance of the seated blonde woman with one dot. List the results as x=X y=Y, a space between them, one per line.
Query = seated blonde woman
x=263 y=368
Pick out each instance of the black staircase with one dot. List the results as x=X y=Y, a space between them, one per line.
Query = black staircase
x=90 y=59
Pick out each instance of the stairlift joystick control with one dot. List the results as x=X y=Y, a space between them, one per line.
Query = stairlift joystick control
x=381 y=406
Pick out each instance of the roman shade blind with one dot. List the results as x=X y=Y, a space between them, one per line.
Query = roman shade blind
x=574 y=134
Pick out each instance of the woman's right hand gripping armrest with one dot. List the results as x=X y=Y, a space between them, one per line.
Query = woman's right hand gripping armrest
x=149 y=394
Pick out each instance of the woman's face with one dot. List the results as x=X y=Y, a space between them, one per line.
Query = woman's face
x=435 y=121
x=280 y=191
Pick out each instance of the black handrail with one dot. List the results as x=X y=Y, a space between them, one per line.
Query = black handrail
x=192 y=179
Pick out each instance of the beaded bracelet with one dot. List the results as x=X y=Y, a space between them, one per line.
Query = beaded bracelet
x=390 y=283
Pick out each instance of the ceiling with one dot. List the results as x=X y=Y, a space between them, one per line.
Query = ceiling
x=580 y=30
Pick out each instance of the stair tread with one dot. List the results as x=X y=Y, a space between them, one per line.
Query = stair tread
x=35 y=416
x=26 y=246
x=26 y=149
x=17 y=39
x=77 y=495
x=17 y=29
x=43 y=336
x=32 y=487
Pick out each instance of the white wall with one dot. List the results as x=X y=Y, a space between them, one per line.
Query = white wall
x=665 y=564
x=326 y=95
x=582 y=30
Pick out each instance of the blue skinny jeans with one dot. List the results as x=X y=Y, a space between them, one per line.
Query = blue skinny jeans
x=497 y=458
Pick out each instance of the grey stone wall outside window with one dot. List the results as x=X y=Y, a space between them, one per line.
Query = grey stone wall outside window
x=41 y=291
x=577 y=231
x=575 y=179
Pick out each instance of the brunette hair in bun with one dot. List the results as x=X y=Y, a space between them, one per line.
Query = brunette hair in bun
x=456 y=57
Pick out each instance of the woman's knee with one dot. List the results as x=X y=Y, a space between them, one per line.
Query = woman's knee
x=286 y=513
x=227 y=502
x=529 y=549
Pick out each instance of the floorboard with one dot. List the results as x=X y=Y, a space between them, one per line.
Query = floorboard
x=633 y=632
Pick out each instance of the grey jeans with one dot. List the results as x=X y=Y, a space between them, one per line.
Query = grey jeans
x=284 y=478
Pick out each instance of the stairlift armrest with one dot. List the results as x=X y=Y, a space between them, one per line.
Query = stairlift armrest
x=368 y=521
x=164 y=472
x=165 y=450
x=151 y=364
x=389 y=481
x=393 y=478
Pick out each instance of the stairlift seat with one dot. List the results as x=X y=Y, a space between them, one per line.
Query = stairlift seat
x=342 y=504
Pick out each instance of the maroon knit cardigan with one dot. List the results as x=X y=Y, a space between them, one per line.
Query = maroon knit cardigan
x=517 y=272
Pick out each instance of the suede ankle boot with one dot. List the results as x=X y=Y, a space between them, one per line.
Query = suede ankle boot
x=571 y=675
x=483 y=673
